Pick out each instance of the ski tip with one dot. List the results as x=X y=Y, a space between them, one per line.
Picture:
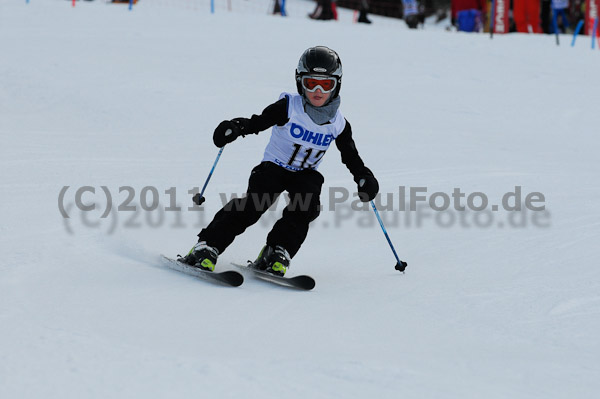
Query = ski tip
x=303 y=282
x=310 y=284
x=236 y=279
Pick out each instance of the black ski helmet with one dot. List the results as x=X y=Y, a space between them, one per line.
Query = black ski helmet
x=319 y=61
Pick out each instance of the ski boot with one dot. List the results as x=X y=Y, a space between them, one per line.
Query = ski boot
x=201 y=256
x=275 y=261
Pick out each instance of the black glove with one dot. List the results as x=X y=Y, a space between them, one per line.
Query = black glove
x=368 y=187
x=227 y=131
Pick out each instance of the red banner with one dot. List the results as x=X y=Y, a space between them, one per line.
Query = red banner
x=591 y=13
x=501 y=15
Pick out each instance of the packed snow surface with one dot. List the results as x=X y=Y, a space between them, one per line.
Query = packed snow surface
x=493 y=304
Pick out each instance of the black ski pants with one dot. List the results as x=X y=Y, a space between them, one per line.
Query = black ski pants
x=267 y=181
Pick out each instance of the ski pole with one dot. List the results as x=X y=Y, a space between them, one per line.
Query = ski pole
x=401 y=265
x=199 y=198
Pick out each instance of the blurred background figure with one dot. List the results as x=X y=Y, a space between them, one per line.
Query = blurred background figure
x=438 y=10
x=577 y=10
x=363 y=12
x=546 y=15
x=559 y=8
x=462 y=5
x=412 y=15
x=526 y=14
x=469 y=20
x=325 y=10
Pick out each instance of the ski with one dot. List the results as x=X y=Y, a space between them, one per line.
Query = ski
x=303 y=282
x=230 y=277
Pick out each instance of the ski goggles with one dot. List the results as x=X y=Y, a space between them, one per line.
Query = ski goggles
x=312 y=83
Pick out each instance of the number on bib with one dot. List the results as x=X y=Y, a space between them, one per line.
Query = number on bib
x=307 y=163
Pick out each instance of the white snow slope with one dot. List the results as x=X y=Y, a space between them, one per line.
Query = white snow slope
x=493 y=304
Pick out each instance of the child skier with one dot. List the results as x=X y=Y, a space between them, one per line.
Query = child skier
x=304 y=126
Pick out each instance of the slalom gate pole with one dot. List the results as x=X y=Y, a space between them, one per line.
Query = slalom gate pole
x=577 y=30
x=199 y=198
x=594 y=33
x=493 y=19
x=400 y=265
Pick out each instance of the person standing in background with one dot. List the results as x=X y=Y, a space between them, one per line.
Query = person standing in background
x=324 y=11
x=559 y=8
x=411 y=13
x=526 y=14
x=546 y=16
x=364 y=12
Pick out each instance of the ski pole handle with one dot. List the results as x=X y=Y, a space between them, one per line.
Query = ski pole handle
x=199 y=198
x=400 y=265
